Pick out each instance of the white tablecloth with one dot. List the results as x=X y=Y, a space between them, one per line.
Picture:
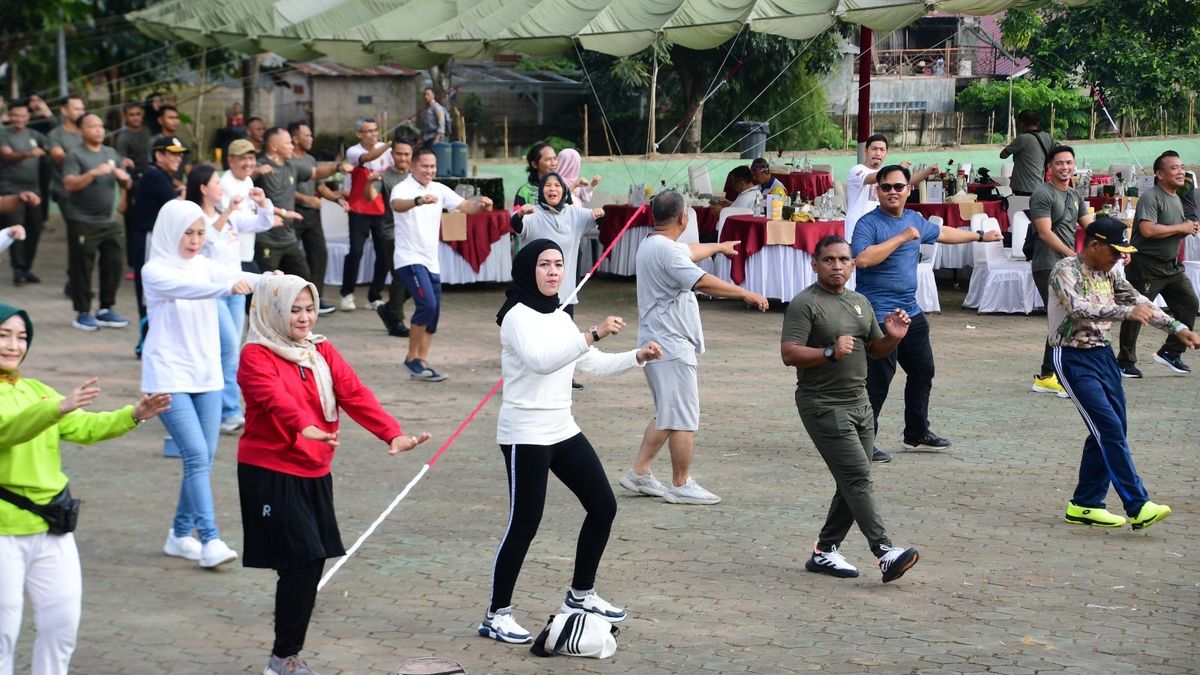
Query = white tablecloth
x=455 y=270
x=622 y=261
x=776 y=272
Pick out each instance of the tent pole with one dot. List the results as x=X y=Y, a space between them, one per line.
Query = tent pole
x=865 y=58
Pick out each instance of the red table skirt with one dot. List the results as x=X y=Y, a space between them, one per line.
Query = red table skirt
x=483 y=230
x=751 y=231
x=951 y=217
x=616 y=215
x=809 y=184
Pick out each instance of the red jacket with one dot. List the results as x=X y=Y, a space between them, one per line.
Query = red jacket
x=282 y=399
x=358 y=198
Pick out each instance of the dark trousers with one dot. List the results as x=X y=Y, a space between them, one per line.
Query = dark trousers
x=383 y=240
x=312 y=238
x=915 y=355
x=288 y=259
x=1041 y=280
x=137 y=240
x=295 y=597
x=1176 y=289
x=85 y=243
x=1092 y=379
x=23 y=252
x=575 y=463
x=397 y=295
x=845 y=437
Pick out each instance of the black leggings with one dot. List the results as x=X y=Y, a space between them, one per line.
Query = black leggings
x=575 y=463
x=295 y=596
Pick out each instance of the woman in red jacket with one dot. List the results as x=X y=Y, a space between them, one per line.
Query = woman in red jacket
x=294 y=381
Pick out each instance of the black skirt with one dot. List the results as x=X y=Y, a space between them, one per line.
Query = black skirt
x=287 y=520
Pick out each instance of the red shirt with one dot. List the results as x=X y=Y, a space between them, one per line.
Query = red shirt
x=282 y=399
x=358 y=198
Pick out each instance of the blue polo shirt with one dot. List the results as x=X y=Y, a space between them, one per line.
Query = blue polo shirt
x=893 y=282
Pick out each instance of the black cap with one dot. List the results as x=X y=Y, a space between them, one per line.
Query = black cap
x=1113 y=232
x=169 y=144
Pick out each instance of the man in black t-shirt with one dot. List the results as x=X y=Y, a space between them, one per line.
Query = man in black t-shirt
x=155 y=188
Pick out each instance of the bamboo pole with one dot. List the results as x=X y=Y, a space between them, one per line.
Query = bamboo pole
x=991 y=126
x=1053 y=114
x=607 y=131
x=1192 y=114
x=198 y=127
x=506 y=137
x=1092 y=128
x=960 y=128
x=585 y=130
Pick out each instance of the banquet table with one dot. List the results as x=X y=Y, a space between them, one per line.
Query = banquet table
x=774 y=271
x=951 y=217
x=810 y=184
x=622 y=260
x=489 y=185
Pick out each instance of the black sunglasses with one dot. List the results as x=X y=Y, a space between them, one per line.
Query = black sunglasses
x=892 y=187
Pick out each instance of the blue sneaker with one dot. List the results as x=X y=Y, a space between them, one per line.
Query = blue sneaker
x=110 y=319
x=85 y=321
x=419 y=370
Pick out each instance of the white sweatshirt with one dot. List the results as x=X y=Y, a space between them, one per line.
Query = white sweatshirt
x=6 y=239
x=231 y=187
x=225 y=245
x=538 y=355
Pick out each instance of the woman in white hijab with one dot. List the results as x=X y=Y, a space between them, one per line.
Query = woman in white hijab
x=182 y=356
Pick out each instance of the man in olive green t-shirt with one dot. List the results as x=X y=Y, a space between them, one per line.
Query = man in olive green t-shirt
x=278 y=248
x=828 y=333
x=21 y=152
x=1159 y=226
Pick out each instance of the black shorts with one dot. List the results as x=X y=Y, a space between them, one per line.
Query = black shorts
x=287 y=520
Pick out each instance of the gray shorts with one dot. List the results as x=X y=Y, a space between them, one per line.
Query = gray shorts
x=676 y=394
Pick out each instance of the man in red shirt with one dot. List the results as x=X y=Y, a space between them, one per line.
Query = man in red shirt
x=367 y=216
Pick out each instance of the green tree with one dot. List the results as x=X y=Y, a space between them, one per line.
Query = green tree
x=1072 y=116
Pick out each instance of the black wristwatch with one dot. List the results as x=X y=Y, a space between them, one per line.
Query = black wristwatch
x=829 y=353
x=595 y=335
x=980 y=233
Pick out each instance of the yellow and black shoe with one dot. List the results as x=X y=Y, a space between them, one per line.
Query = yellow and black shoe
x=1083 y=515
x=1149 y=514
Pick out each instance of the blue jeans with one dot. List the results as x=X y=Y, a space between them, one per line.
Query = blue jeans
x=194 y=421
x=231 y=318
x=426 y=291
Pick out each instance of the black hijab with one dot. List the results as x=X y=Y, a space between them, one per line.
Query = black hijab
x=523 y=289
x=566 y=193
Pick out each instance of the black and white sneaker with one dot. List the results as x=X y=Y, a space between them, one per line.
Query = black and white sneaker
x=929 y=440
x=896 y=561
x=500 y=625
x=1130 y=371
x=830 y=562
x=1172 y=361
x=592 y=604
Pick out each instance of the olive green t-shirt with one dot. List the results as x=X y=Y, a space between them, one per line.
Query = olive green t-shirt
x=21 y=176
x=1063 y=208
x=816 y=318
x=309 y=163
x=388 y=180
x=280 y=187
x=1157 y=206
x=59 y=137
x=94 y=203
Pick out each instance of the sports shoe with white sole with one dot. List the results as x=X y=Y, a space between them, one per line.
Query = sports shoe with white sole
x=645 y=485
x=216 y=552
x=1049 y=385
x=1172 y=361
x=347 y=304
x=690 y=493
x=501 y=626
x=376 y=304
x=292 y=665
x=830 y=562
x=896 y=561
x=233 y=424
x=187 y=547
x=591 y=603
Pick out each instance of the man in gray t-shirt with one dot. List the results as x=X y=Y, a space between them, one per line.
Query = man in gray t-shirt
x=668 y=313
x=1029 y=151
x=278 y=248
x=21 y=152
x=432 y=120
x=1158 y=228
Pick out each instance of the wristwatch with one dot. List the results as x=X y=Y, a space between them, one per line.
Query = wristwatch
x=595 y=334
x=980 y=233
x=829 y=353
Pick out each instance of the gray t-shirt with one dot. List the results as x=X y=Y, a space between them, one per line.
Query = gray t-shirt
x=432 y=121
x=1157 y=206
x=280 y=188
x=1029 y=159
x=388 y=180
x=667 y=309
x=134 y=145
x=94 y=203
x=21 y=176
x=59 y=137
x=309 y=164
x=565 y=228
x=1063 y=208
x=816 y=318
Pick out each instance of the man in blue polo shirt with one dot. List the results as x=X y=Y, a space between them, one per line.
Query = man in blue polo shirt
x=887 y=246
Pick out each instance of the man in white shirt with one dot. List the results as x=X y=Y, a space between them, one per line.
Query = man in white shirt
x=860 y=184
x=237 y=182
x=367 y=217
x=417 y=204
x=743 y=184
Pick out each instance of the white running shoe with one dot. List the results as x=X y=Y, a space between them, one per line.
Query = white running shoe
x=646 y=485
x=503 y=627
x=187 y=547
x=376 y=304
x=233 y=425
x=216 y=552
x=591 y=603
x=347 y=304
x=690 y=493
x=832 y=563
x=896 y=561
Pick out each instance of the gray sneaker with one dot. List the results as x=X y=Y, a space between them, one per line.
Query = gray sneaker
x=690 y=493
x=292 y=665
x=645 y=485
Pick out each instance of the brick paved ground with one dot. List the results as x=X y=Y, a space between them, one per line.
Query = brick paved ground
x=1003 y=584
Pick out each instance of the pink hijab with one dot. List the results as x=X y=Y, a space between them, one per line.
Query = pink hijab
x=568 y=169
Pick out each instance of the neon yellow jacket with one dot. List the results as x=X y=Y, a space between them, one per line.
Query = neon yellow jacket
x=30 y=431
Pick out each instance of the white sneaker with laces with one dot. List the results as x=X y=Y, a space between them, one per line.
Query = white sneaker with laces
x=187 y=547
x=347 y=304
x=233 y=424
x=830 y=562
x=591 y=603
x=376 y=304
x=292 y=665
x=216 y=552
x=501 y=626
x=690 y=493
x=646 y=485
x=896 y=561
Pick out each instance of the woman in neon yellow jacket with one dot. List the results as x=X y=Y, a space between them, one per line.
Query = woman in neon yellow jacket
x=33 y=420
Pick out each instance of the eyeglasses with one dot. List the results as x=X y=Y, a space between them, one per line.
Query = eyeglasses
x=892 y=187
x=758 y=169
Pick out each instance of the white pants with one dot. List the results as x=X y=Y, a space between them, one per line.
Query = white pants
x=47 y=567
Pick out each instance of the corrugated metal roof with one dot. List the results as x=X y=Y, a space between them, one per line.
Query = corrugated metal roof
x=327 y=68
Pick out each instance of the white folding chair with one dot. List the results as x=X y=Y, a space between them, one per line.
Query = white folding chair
x=927 y=291
x=698 y=180
x=839 y=194
x=823 y=167
x=691 y=234
x=1017 y=203
x=1126 y=171
x=1006 y=170
x=1018 y=226
x=730 y=211
x=1000 y=285
x=1004 y=190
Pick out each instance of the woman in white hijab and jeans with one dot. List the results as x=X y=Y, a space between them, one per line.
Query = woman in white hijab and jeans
x=182 y=356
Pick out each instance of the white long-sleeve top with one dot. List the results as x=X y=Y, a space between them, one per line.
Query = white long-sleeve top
x=225 y=245
x=232 y=187
x=6 y=239
x=182 y=352
x=538 y=356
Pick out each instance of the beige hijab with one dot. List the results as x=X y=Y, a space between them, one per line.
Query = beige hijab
x=270 y=312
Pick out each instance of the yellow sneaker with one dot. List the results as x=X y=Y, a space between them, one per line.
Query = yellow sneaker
x=1150 y=514
x=1049 y=385
x=1083 y=515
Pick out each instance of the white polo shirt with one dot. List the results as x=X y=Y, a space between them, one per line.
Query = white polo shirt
x=418 y=230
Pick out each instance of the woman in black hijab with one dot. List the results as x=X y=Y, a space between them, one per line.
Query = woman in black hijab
x=539 y=350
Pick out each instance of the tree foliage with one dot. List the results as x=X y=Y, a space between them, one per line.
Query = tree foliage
x=1072 y=111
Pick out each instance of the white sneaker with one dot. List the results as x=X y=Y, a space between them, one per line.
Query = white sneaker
x=187 y=547
x=503 y=627
x=832 y=563
x=896 y=561
x=592 y=604
x=233 y=424
x=216 y=552
x=646 y=485
x=376 y=304
x=347 y=304
x=690 y=493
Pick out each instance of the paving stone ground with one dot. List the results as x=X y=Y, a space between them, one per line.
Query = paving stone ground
x=1003 y=586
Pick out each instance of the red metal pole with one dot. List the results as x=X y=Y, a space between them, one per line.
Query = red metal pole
x=865 y=44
